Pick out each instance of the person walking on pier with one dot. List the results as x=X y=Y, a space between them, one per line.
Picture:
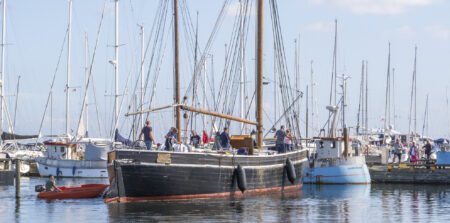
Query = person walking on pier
x=279 y=143
x=414 y=153
x=398 y=150
x=148 y=135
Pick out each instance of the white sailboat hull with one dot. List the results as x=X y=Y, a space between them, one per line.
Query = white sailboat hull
x=72 y=168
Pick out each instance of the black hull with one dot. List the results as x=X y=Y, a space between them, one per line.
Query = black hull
x=148 y=175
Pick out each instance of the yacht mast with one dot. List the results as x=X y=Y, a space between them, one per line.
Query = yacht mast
x=142 y=74
x=68 y=68
x=86 y=73
x=259 y=74
x=2 y=84
x=366 y=123
x=177 y=69
x=116 y=67
x=241 y=67
x=313 y=101
x=388 y=83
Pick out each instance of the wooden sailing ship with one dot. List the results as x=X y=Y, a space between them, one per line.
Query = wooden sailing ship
x=136 y=175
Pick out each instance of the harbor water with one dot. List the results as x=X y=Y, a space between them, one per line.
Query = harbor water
x=335 y=203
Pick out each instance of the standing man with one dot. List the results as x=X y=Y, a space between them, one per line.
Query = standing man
x=148 y=135
x=428 y=148
x=398 y=148
x=280 y=135
x=195 y=139
x=225 y=138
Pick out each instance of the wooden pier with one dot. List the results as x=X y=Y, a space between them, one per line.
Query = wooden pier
x=410 y=174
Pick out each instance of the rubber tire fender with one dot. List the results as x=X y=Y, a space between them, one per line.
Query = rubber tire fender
x=241 y=178
x=290 y=169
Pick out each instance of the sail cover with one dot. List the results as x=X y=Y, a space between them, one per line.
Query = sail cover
x=119 y=138
x=10 y=136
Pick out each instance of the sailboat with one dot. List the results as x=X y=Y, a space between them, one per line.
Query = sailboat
x=336 y=162
x=9 y=139
x=69 y=156
x=137 y=175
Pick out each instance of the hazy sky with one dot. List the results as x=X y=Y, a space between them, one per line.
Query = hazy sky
x=36 y=30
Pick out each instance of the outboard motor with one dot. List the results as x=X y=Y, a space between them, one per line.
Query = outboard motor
x=39 y=188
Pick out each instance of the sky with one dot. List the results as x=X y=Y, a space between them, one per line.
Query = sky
x=35 y=31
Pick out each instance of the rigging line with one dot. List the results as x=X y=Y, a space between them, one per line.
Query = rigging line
x=158 y=72
x=284 y=74
x=53 y=82
x=91 y=65
x=211 y=39
x=159 y=18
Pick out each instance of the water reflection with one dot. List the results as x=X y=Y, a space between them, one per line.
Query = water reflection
x=336 y=203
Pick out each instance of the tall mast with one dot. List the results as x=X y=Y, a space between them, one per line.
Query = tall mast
x=393 y=94
x=259 y=74
x=360 y=116
x=194 y=89
x=388 y=83
x=425 y=118
x=415 y=90
x=367 y=99
x=297 y=77
x=413 y=95
x=116 y=67
x=241 y=67
x=142 y=73
x=313 y=114
x=334 y=69
x=177 y=68
x=307 y=113
x=2 y=84
x=68 y=68
x=86 y=73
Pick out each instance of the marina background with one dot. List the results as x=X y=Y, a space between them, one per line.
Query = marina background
x=35 y=33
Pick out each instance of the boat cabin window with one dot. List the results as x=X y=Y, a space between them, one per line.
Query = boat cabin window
x=54 y=149
x=332 y=144
x=321 y=144
x=61 y=149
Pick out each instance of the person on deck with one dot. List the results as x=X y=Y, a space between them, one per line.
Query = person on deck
x=50 y=184
x=148 y=135
x=217 y=142
x=195 y=139
x=171 y=137
x=414 y=152
x=225 y=139
x=398 y=148
x=279 y=143
x=428 y=148
x=288 y=140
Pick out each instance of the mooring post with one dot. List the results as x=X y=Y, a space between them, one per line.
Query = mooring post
x=18 y=178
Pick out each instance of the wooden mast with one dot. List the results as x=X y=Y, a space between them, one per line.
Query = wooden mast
x=259 y=75
x=177 y=68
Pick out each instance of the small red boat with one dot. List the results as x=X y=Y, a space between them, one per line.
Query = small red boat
x=85 y=191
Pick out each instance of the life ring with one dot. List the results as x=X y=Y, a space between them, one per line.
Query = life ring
x=241 y=178
x=290 y=171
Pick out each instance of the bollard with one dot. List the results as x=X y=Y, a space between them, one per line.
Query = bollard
x=18 y=178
